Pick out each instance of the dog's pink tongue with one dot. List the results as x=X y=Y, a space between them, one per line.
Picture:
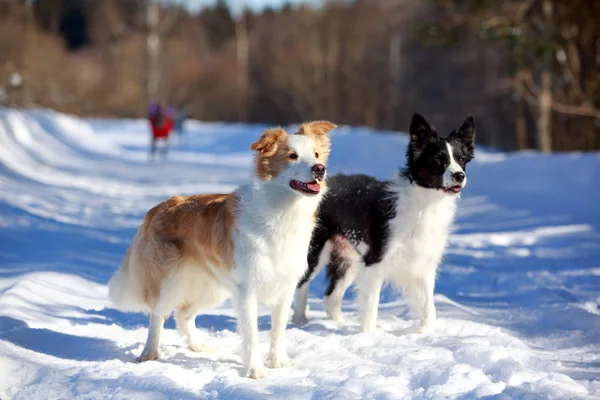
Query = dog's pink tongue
x=313 y=186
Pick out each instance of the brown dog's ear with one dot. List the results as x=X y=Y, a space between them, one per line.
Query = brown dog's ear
x=317 y=128
x=267 y=144
x=318 y=131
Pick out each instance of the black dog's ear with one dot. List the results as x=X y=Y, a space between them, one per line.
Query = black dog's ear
x=467 y=129
x=466 y=133
x=420 y=133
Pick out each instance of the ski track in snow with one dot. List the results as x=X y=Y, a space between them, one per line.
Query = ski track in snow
x=517 y=295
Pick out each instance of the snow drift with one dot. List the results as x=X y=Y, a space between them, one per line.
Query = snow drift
x=517 y=296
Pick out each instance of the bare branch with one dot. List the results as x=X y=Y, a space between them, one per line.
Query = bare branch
x=530 y=92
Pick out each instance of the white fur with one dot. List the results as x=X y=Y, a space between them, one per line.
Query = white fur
x=124 y=289
x=333 y=302
x=124 y=292
x=271 y=244
x=448 y=179
x=301 y=168
x=419 y=233
x=301 y=299
x=418 y=237
x=150 y=351
x=177 y=289
x=273 y=228
x=362 y=248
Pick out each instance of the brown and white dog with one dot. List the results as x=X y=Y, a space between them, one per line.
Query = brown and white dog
x=192 y=253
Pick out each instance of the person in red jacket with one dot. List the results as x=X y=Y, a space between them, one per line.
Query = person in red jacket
x=161 y=122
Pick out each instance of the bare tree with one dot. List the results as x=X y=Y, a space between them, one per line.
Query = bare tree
x=533 y=32
x=152 y=51
x=157 y=27
x=241 y=42
x=545 y=97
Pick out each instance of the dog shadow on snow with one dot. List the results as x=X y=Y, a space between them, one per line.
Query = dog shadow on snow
x=81 y=348
x=57 y=344
x=205 y=322
x=220 y=323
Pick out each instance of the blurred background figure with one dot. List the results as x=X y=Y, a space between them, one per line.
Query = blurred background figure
x=161 y=123
x=181 y=115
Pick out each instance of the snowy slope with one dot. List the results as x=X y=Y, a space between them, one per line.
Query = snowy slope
x=518 y=294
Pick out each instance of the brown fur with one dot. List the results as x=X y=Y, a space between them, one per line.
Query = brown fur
x=272 y=153
x=272 y=157
x=197 y=230
x=183 y=253
x=183 y=228
x=319 y=132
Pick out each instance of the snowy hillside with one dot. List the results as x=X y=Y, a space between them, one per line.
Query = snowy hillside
x=517 y=296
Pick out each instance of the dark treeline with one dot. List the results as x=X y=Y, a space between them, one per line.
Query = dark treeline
x=528 y=70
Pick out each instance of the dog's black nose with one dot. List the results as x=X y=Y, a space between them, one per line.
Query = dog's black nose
x=458 y=177
x=318 y=171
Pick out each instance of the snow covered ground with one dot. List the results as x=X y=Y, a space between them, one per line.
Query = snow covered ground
x=518 y=293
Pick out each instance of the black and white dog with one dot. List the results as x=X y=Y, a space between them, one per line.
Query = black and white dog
x=393 y=231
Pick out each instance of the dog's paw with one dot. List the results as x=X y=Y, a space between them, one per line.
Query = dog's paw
x=280 y=361
x=299 y=318
x=336 y=316
x=147 y=356
x=257 y=372
x=333 y=309
x=200 y=347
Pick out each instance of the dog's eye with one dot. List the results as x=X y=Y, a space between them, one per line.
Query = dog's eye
x=293 y=156
x=316 y=155
x=459 y=158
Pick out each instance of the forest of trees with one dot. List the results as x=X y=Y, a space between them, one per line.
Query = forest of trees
x=527 y=70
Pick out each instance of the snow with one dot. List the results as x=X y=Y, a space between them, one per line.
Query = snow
x=517 y=295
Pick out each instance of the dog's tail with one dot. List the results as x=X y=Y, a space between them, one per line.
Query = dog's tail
x=125 y=289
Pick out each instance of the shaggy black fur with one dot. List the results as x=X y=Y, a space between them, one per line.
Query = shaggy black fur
x=359 y=207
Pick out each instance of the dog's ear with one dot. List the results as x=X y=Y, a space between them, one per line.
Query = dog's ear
x=317 y=128
x=318 y=131
x=267 y=144
x=420 y=133
x=466 y=134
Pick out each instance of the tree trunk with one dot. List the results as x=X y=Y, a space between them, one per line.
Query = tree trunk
x=544 y=124
x=241 y=41
x=520 y=126
x=153 y=51
x=395 y=66
x=18 y=88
